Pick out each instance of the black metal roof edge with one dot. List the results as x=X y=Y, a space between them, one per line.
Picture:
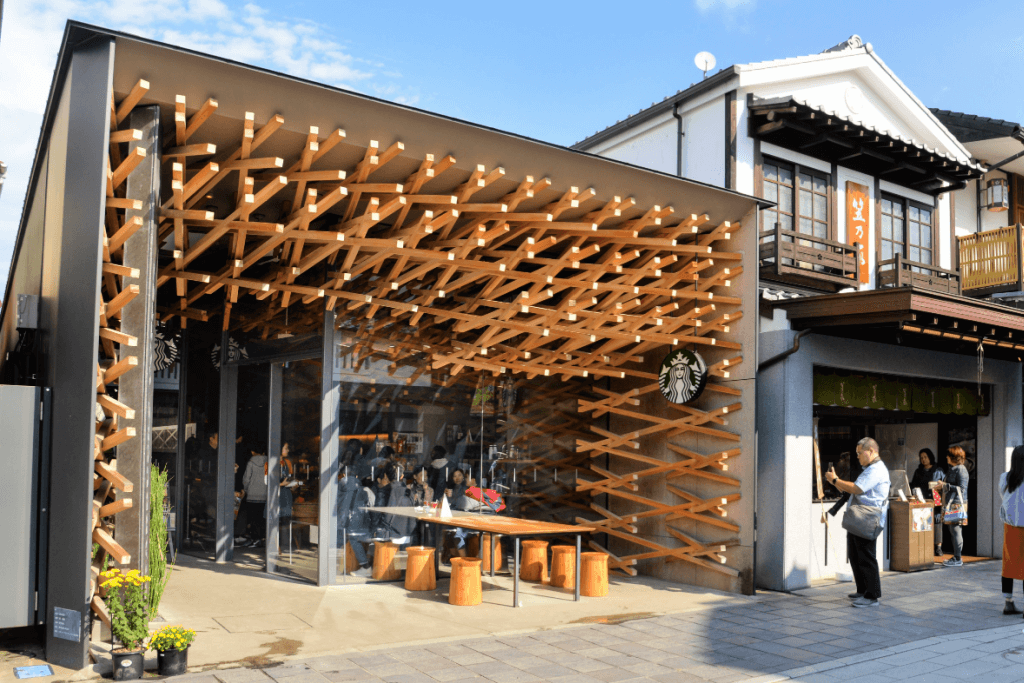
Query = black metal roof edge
x=790 y=101
x=974 y=128
x=74 y=36
x=666 y=104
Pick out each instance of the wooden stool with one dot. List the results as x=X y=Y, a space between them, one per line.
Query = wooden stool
x=534 y=565
x=465 y=587
x=384 y=561
x=594 y=579
x=351 y=563
x=498 y=558
x=563 y=566
x=419 y=569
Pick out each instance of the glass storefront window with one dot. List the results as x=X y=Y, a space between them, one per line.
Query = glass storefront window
x=410 y=435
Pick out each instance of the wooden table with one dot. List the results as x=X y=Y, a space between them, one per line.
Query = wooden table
x=513 y=527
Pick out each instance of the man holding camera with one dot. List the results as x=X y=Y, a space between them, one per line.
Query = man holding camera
x=871 y=492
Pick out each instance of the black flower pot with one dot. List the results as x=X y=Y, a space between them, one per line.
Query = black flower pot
x=128 y=664
x=171 y=662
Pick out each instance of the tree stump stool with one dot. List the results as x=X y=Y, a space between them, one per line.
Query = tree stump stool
x=465 y=587
x=498 y=556
x=534 y=565
x=563 y=566
x=351 y=563
x=594 y=571
x=384 y=568
x=419 y=569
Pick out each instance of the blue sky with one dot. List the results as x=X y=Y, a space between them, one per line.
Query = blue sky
x=555 y=71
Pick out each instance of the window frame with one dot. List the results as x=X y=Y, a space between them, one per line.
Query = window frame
x=907 y=204
x=797 y=168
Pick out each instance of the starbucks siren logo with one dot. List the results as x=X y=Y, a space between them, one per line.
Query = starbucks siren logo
x=683 y=376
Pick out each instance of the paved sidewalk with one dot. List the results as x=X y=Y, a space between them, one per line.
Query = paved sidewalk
x=941 y=625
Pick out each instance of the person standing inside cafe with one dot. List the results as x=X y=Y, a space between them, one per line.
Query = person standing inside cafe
x=871 y=489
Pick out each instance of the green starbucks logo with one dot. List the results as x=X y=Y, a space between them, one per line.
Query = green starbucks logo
x=683 y=376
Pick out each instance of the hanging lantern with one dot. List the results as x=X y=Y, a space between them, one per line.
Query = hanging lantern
x=997 y=195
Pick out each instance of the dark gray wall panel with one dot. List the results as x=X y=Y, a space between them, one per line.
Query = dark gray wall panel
x=135 y=389
x=71 y=276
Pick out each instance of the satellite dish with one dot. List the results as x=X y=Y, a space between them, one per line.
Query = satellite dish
x=705 y=61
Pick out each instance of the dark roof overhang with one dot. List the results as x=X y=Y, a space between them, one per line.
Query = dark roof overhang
x=972 y=128
x=796 y=125
x=914 y=318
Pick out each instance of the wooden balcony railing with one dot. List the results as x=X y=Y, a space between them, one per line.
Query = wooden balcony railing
x=807 y=260
x=900 y=272
x=990 y=261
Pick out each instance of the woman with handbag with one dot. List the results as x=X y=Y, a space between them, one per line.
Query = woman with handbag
x=955 y=497
x=1012 y=514
x=928 y=471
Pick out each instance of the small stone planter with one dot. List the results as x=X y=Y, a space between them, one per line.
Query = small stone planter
x=172 y=662
x=128 y=664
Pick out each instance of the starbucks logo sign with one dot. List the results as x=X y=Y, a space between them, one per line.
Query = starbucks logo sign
x=683 y=376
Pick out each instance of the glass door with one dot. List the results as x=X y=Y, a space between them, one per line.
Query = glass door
x=293 y=478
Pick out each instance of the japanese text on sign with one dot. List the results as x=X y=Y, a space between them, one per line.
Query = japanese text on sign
x=858 y=229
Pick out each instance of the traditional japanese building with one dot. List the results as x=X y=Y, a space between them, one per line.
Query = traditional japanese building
x=869 y=319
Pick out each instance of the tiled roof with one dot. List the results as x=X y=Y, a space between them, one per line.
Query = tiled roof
x=972 y=128
x=879 y=131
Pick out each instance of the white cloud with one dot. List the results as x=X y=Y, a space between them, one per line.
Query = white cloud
x=248 y=33
x=726 y=5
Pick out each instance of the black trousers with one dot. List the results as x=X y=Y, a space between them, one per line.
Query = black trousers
x=864 y=563
x=255 y=514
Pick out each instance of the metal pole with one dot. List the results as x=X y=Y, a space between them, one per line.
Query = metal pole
x=515 y=576
x=576 y=595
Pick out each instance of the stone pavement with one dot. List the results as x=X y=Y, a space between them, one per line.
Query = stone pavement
x=934 y=626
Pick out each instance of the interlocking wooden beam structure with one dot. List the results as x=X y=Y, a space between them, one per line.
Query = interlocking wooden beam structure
x=456 y=270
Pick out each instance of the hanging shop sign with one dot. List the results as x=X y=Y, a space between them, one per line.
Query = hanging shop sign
x=683 y=376
x=858 y=230
x=877 y=392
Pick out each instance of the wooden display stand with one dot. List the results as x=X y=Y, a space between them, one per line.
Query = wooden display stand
x=911 y=550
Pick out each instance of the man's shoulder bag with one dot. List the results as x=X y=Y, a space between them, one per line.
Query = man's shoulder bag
x=863 y=521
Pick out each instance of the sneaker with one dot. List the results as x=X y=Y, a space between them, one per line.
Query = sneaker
x=865 y=602
x=1010 y=608
x=362 y=572
x=854 y=596
x=953 y=563
x=241 y=540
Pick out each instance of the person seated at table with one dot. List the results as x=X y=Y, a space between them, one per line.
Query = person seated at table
x=419 y=490
x=353 y=519
x=389 y=491
x=456 y=490
x=439 y=468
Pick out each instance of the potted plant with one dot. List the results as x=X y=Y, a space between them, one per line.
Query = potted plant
x=171 y=645
x=129 y=620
